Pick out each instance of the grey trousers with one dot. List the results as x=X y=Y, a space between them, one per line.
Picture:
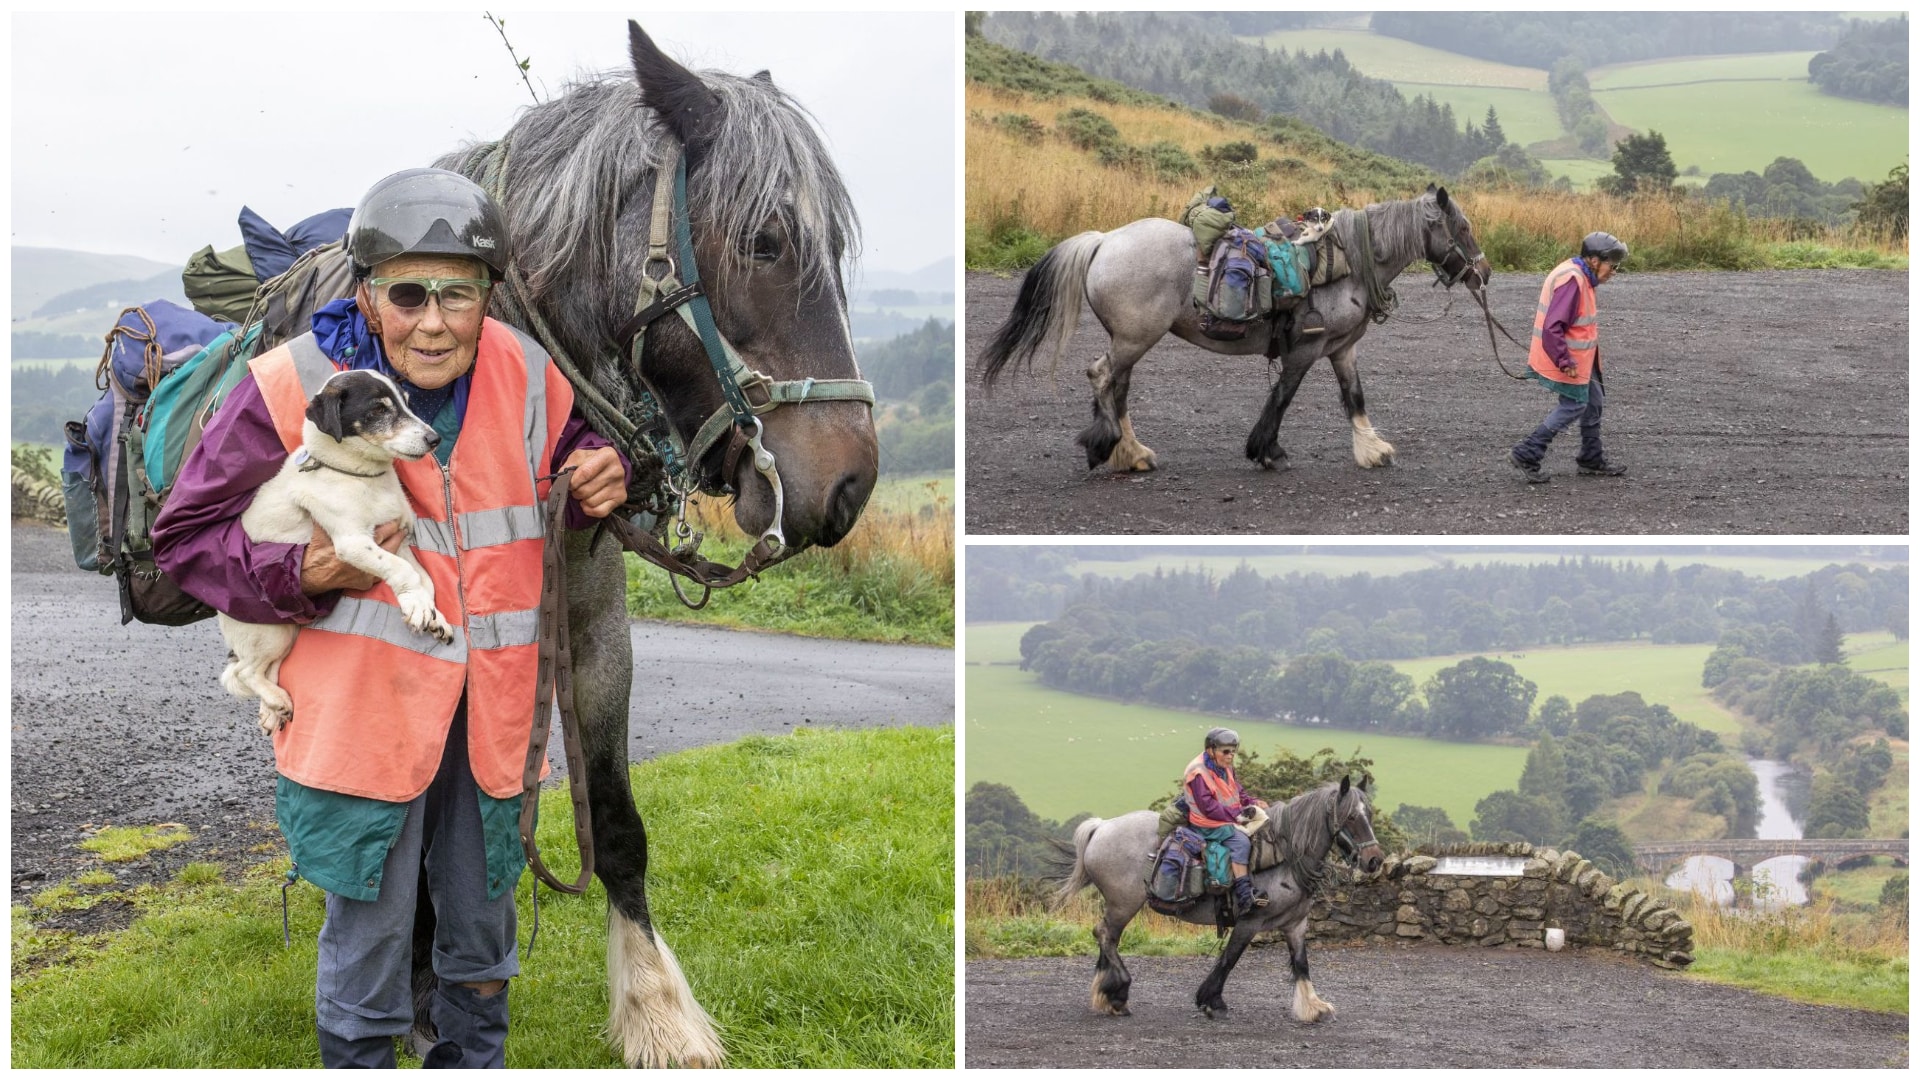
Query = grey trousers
x=364 y=991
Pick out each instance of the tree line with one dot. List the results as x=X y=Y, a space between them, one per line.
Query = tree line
x=1471 y=608
x=1869 y=62
x=1592 y=38
x=912 y=377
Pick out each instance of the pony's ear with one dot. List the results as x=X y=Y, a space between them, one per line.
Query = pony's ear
x=1440 y=196
x=1346 y=784
x=763 y=75
x=682 y=100
x=1430 y=187
x=324 y=411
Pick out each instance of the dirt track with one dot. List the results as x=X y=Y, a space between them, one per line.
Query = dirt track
x=128 y=726
x=1413 y=1007
x=1770 y=402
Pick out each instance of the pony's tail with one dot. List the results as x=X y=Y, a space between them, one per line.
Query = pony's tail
x=1075 y=878
x=1048 y=308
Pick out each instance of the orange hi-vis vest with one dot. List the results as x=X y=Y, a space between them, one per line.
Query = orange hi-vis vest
x=373 y=699
x=1583 y=334
x=1227 y=791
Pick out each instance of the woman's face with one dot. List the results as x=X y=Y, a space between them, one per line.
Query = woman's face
x=1223 y=755
x=428 y=345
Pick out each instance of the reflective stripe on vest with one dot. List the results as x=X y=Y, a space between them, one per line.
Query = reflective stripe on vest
x=1583 y=332
x=373 y=699
x=1225 y=791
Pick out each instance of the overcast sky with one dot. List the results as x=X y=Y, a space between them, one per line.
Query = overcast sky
x=144 y=134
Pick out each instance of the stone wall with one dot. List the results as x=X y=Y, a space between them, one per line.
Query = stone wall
x=1406 y=901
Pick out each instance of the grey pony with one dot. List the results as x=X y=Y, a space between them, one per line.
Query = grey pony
x=1138 y=279
x=1114 y=856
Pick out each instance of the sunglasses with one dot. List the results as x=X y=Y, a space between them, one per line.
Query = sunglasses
x=1228 y=751
x=454 y=294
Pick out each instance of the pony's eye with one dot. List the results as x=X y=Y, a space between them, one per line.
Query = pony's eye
x=766 y=247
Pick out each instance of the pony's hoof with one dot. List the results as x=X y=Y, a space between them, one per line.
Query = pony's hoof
x=1122 y=1010
x=1273 y=462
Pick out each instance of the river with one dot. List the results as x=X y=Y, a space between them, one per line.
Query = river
x=1781 y=786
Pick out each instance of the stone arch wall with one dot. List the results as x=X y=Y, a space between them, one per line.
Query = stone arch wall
x=1406 y=901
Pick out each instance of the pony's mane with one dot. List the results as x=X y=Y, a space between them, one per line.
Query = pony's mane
x=1397 y=225
x=1301 y=829
x=573 y=160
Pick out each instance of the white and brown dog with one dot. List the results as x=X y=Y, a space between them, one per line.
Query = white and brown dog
x=342 y=480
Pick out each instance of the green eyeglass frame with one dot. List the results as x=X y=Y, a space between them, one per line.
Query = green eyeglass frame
x=436 y=289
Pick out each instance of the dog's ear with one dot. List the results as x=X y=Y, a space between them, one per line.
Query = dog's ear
x=324 y=411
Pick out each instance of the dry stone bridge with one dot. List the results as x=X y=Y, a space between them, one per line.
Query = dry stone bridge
x=1659 y=857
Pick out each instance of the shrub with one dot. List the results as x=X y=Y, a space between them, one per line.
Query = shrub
x=1171 y=162
x=1238 y=152
x=1087 y=129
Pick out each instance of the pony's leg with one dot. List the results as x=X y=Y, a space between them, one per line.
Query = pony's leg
x=1112 y=982
x=653 y=1016
x=1130 y=454
x=1369 y=449
x=1208 y=997
x=1263 y=443
x=1307 y=1005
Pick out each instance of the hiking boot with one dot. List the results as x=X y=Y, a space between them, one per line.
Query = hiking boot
x=1603 y=467
x=1531 y=473
x=1246 y=898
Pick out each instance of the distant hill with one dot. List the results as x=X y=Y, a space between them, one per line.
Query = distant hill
x=40 y=274
x=935 y=277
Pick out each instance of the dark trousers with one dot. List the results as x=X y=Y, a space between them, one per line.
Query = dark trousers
x=364 y=990
x=1532 y=450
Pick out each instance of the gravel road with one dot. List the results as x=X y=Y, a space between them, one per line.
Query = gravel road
x=1771 y=402
x=127 y=725
x=1412 y=1007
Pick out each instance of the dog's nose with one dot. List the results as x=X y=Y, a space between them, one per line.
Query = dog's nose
x=433 y=438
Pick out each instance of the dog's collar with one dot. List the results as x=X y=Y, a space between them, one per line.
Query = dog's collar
x=309 y=463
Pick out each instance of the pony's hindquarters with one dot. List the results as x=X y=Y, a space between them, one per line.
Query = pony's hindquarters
x=1048 y=307
x=1076 y=878
x=652 y=1012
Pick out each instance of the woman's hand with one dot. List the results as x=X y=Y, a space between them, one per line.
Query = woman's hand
x=323 y=571
x=599 y=483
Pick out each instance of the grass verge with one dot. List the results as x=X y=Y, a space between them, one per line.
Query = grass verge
x=890 y=580
x=1008 y=919
x=1808 y=954
x=806 y=883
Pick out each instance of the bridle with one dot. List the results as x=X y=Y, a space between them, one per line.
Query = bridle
x=670 y=284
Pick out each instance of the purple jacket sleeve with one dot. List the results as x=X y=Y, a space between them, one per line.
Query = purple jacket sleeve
x=198 y=539
x=578 y=436
x=1553 y=332
x=1200 y=797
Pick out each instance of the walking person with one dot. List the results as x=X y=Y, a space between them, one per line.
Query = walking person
x=1565 y=355
x=402 y=765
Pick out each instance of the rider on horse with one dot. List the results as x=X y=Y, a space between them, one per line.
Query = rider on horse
x=1215 y=802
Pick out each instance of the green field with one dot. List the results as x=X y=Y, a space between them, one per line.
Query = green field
x=1764 y=567
x=1065 y=753
x=1403 y=61
x=1737 y=126
x=1876 y=654
x=1720 y=113
x=1663 y=674
x=995 y=643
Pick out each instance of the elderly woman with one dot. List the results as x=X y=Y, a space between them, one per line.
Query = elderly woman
x=1215 y=801
x=402 y=765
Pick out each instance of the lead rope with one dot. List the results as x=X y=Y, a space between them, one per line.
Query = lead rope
x=555 y=680
x=1491 y=343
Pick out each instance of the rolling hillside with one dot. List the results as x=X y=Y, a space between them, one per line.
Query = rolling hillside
x=1719 y=113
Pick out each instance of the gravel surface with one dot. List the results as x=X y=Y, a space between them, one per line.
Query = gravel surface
x=127 y=725
x=1411 y=1007
x=1772 y=402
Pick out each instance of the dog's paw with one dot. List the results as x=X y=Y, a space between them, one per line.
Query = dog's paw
x=424 y=618
x=273 y=716
x=441 y=629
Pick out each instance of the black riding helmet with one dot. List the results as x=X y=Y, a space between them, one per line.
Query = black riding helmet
x=427 y=212
x=1604 y=246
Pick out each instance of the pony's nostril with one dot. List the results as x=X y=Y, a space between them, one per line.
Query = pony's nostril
x=848 y=498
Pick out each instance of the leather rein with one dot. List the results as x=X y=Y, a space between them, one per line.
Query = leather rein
x=1450 y=278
